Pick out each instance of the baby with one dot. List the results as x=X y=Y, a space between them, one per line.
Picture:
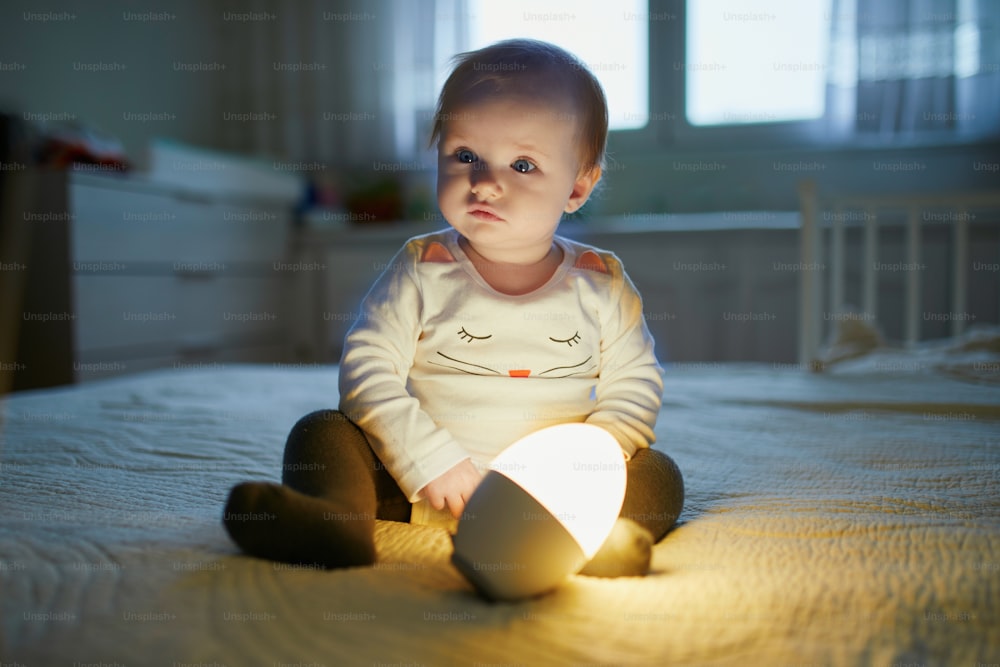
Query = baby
x=480 y=334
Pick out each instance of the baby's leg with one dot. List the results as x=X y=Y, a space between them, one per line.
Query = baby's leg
x=654 y=498
x=324 y=512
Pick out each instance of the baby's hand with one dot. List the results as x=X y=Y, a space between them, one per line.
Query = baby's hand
x=453 y=488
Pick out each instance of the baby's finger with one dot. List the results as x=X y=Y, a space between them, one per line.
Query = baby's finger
x=437 y=500
x=456 y=504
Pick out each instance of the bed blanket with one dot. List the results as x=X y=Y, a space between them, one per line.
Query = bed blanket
x=846 y=518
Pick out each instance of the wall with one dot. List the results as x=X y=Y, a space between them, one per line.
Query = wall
x=678 y=180
x=116 y=66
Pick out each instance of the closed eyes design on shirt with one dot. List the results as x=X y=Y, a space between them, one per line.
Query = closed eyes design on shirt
x=473 y=338
x=469 y=352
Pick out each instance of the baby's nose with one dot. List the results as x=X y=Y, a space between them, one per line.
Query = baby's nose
x=482 y=180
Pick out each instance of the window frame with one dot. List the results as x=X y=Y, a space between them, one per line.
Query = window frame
x=668 y=129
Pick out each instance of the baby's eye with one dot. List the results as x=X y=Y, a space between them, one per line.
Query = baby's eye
x=571 y=341
x=468 y=338
x=465 y=155
x=523 y=166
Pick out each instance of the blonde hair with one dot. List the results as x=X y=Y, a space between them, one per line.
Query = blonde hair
x=535 y=68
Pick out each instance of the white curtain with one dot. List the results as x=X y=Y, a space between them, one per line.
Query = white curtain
x=915 y=68
x=343 y=83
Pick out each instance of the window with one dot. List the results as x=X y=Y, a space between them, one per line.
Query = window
x=768 y=73
x=724 y=74
x=610 y=37
x=755 y=61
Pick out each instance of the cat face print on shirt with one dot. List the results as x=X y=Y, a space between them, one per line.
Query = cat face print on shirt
x=543 y=337
x=476 y=358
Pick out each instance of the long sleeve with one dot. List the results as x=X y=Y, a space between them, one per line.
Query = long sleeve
x=378 y=353
x=630 y=385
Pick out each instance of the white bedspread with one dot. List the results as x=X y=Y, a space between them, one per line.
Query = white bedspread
x=851 y=518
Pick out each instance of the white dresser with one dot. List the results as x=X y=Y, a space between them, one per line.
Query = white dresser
x=164 y=276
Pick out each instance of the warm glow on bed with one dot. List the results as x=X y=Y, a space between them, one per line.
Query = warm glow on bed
x=544 y=509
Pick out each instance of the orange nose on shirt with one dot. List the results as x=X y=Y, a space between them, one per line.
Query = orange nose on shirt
x=519 y=374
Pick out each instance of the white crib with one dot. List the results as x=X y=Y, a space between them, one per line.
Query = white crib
x=830 y=216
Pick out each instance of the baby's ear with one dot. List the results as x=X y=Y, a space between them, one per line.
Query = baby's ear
x=582 y=188
x=436 y=252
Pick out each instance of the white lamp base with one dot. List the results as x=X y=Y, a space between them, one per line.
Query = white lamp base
x=509 y=546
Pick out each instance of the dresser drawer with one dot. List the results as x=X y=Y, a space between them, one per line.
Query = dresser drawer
x=176 y=313
x=131 y=225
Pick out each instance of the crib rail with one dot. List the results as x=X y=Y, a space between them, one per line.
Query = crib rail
x=829 y=216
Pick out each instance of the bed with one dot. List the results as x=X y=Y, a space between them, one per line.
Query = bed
x=850 y=517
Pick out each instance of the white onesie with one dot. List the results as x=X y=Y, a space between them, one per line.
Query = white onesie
x=440 y=367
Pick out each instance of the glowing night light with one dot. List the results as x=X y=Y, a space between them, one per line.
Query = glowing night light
x=543 y=510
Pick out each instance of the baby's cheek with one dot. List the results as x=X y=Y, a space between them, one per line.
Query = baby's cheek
x=448 y=186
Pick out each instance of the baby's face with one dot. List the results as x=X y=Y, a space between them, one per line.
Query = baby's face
x=507 y=170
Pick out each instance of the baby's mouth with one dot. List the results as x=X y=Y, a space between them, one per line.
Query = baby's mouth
x=484 y=214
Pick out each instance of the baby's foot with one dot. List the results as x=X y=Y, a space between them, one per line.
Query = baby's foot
x=626 y=553
x=278 y=523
